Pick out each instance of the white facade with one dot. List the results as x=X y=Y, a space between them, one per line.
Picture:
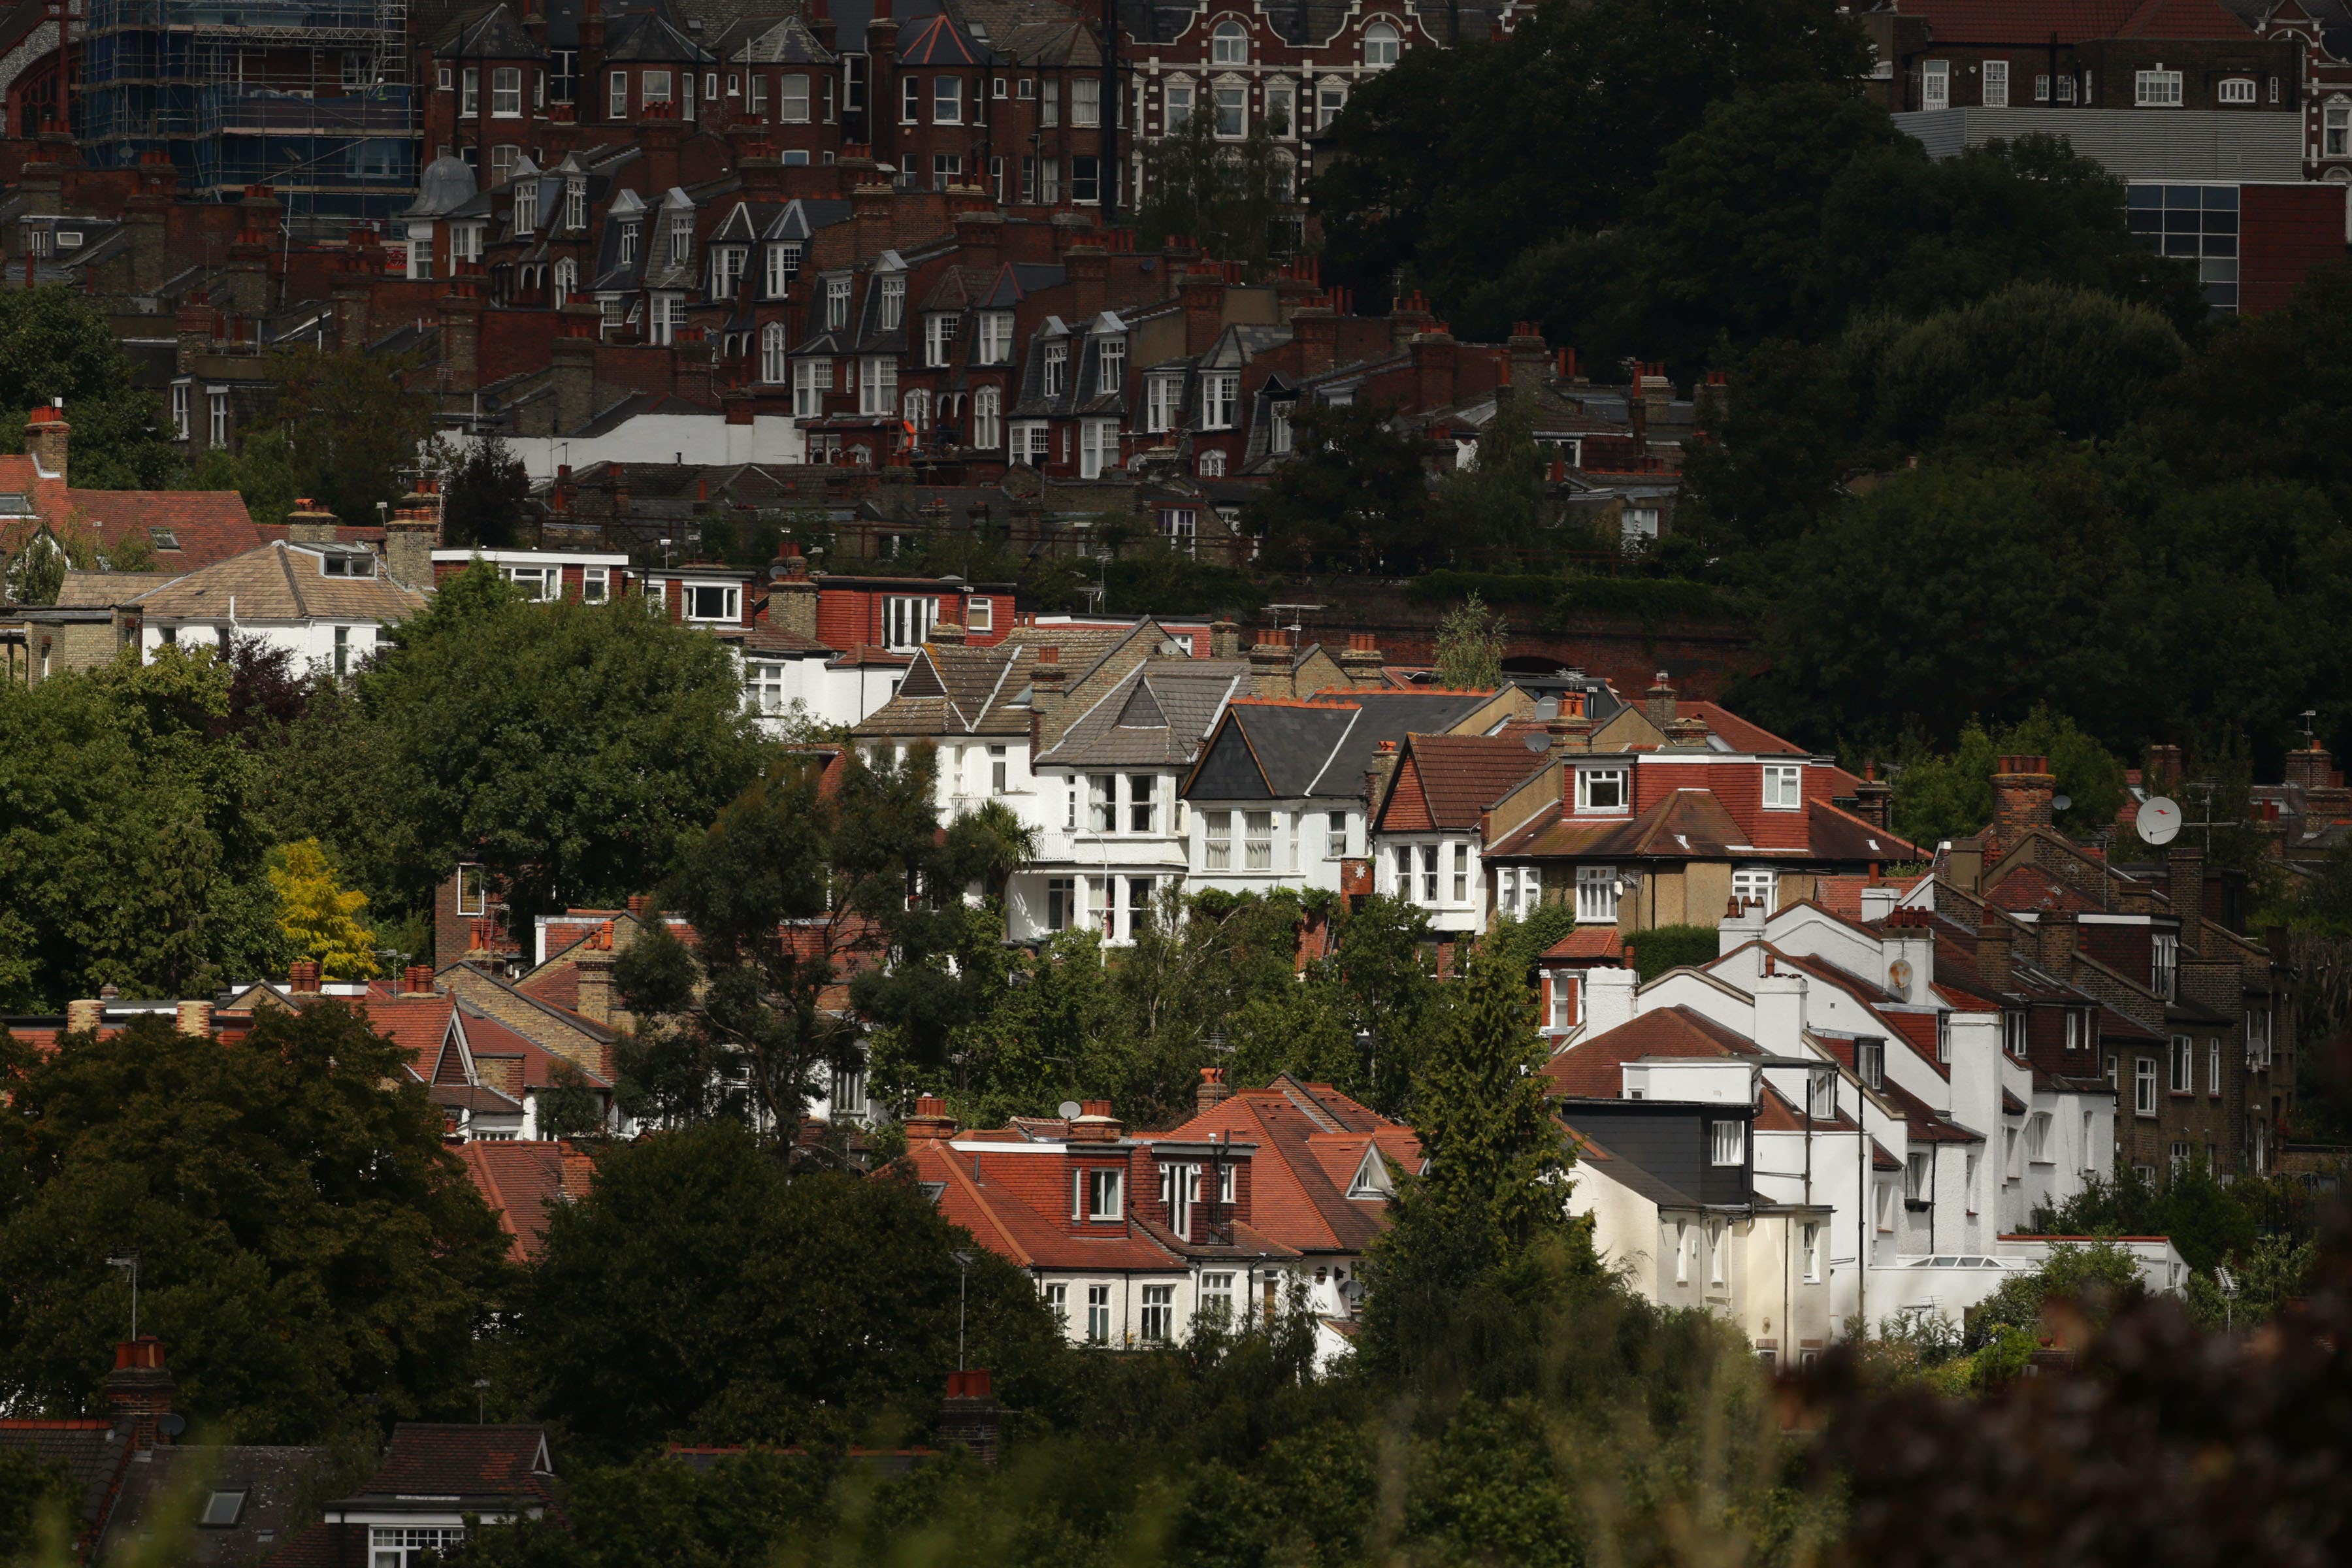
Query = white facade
x=332 y=647
x=1112 y=840
x=1441 y=872
x=1256 y=847
x=702 y=438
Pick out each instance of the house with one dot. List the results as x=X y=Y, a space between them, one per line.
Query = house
x=127 y=1467
x=1442 y=799
x=178 y=531
x=1670 y=1186
x=1263 y=1197
x=434 y=1482
x=522 y=1181
x=1670 y=811
x=326 y=604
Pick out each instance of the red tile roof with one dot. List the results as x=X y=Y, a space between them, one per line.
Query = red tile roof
x=206 y=526
x=522 y=1181
x=1596 y=942
x=435 y=1459
x=1592 y=1069
x=1449 y=781
x=1311 y=1142
x=1738 y=732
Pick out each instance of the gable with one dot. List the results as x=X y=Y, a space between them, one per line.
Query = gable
x=923 y=679
x=1228 y=769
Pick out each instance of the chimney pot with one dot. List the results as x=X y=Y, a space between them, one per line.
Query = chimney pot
x=1212 y=1091
x=195 y=1017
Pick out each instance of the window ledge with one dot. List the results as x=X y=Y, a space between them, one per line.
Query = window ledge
x=1918 y=1205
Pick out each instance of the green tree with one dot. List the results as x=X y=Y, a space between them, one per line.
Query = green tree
x=1354 y=498
x=129 y=853
x=1940 y=795
x=2097 y=1277
x=561 y=746
x=356 y=425
x=1229 y=198
x=701 y=1293
x=315 y=1260
x=262 y=472
x=2272 y=395
x=57 y=343
x=1498 y=503
x=1470 y=643
x=489 y=500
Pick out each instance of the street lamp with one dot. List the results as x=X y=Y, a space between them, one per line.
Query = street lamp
x=963 y=1261
x=130 y=1261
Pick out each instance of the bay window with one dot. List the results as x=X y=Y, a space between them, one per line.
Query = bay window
x=1596 y=894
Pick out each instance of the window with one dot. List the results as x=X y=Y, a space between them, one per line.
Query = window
x=628 y=243
x=1258 y=842
x=1567 y=993
x=726 y=270
x=1715 y=1251
x=1811 y=1233
x=473 y=898
x=506 y=92
x=772 y=352
x=218 y=420
x=616 y=103
x=939 y=335
x=595 y=585
x=996 y=337
x=2180 y=1157
x=1756 y=885
x=2156 y=90
x=654 y=88
x=538 y=583
x=910 y=100
x=1936 y=84
x=1916 y=1176
x=180 y=408
x=1098 y=447
x=390 y=1546
x=947 y=101
x=1178 y=527
x=1220 y=392
x=2144 y=1086
x=1102 y=1193
x=1231 y=105
x=1462 y=873
x=1102 y=801
x=791 y=99
x=1158 y=1310
x=1821 y=1096
x=812 y=379
x=713 y=602
x=221 y=1508
x=986 y=406
x=575 y=204
x=1783 y=786
x=1682 y=1252
x=1380 y=45
x=2013 y=1031
x=1600 y=789
x=1728 y=1143
x=2213 y=1066
x=2164 y=969
x=836 y=303
x=1869 y=1062
x=1217 y=1298
x=1099 y=1314
x=1143 y=802
x=469 y=90
x=2037 y=1138
x=1596 y=894
x=1049 y=102
x=1330 y=98
x=526 y=206
x=996 y=760
x=1177 y=107
x=1061 y=895
x=1996 y=84
x=1229 y=45
x=2335 y=135
x=1335 y=836
x=562 y=75
x=907 y=622
x=764 y=686
x=681 y=238
x=2258 y=1039
x=1085 y=101
x=784 y=266
x=1057 y=368
x=1110 y=358
x=1217 y=839
x=1057 y=1301
x=1162 y=395
x=2237 y=89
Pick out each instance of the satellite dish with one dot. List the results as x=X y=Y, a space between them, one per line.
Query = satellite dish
x=171 y=1426
x=1536 y=740
x=2061 y=802
x=2159 y=820
x=1547 y=710
x=1070 y=1110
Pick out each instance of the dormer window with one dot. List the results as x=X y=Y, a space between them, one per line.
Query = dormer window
x=996 y=337
x=1057 y=368
x=1783 y=786
x=1869 y=1062
x=784 y=266
x=526 y=206
x=2014 y=1031
x=836 y=303
x=355 y=565
x=628 y=243
x=892 y=308
x=575 y=204
x=681 y=238
x=1600 y=789
x=1112 y=358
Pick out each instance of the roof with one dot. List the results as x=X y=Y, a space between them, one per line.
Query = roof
x=92 y=1456
x=281 y=581
x=2074 y=21
x=1589 y=945
x=1311 y=1141
x=183 y=528
x=1154 y=716
x=1594 y=1068
x=520 y=1182
x=435 y=1458
x=1448 y=782
x=278 y=1483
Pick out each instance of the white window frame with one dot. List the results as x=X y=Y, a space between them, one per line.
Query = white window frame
x=1622 y=778
x=1104 y=1187
x=1382 y=44
x=1257 y=840
x=1935 y=84
x=1220 y=398
x=996 y=337
x=2156 y=90
x=1727 y=1144
x=2144 y=1086
x=907 y=620
x=1596 y=895
x=730 y=599
x=1784 y=786
x=2236 y=90
x=1996 y=84
x=1757 y=884
x=506 y=92
x=1216 y=840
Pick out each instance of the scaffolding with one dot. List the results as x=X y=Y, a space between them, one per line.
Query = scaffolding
x=311 y=97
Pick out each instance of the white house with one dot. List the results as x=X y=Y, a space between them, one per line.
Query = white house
x=326 y=604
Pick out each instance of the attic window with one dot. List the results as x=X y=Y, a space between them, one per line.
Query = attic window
x=163 y=539
x=1869 y=1062
x=360 y=566
x=69 y=240
x=13 y=505
x=221 y=1508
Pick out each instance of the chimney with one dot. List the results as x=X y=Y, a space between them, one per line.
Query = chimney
x=2054 y=933
x=1046 y=679
x=1270 y=673
x=1913 y=942
x=84 y=1016
x=947 y=632
x=2022 y=789
x=1609 y=999
x=1992 y=954
x=1779 y=1014
x=1742 y=923
x=2162 y=776
x=1095 y=1124
x=1873 y=800
x=1530 y=361
x=303 y=978
x=139 y=1392
x=2311 y=768
x=195 y=1017
x=1212 y=1092
x=1377 y=777
x=410 y=537
x=792 y=596
x=306 y=524
x=2185 y=868
x=1362 y=660
x=574 y=361
x=969 y=1415
x=593 y=966
x=46 y=431
x=1224 y=640
x=1879 y=901
x=416 y=980
x=1658 y=702
x=930 y=1122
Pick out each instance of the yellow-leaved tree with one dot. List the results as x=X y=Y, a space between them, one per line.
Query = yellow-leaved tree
x=323 y=918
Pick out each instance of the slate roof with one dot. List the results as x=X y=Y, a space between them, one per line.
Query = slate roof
x=92 y=1454
x=495 y=34
x=1693 y=825
x=1593 y=1066
x=277 y=583
x=1316 y=748
x=953 y=689
x=938 y=41
x=1156 y=716
x=276 y=1483
x=652 y=38
x=433 y=1458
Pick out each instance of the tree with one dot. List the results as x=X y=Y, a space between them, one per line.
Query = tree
x=1470 y=643
x=262 y=471
x=2096 y=1278
x=129 y=853
x=320 y=918
x=701 y=1293
x=1494 y=508
x=560 y=746
x=356 y=426
x=1354 y=498
x=1230 y=199
x=1950 y=795
x=313 y=1257
x=489 y=499
x=57 y=343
